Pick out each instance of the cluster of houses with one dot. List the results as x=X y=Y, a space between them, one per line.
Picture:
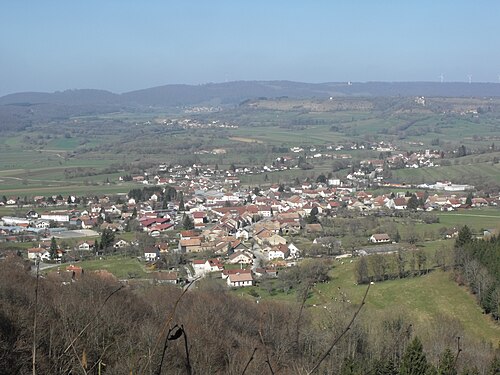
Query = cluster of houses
x=240 y=225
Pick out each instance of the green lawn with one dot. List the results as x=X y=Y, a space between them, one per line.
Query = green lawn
x=118 y=266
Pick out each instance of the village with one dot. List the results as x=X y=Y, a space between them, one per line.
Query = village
x=218 y=225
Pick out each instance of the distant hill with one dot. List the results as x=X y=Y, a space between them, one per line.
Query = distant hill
x=235 y=92
x=20 y=110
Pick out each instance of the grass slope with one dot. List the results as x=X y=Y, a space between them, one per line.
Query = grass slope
x=425 y=300
x=122 y=268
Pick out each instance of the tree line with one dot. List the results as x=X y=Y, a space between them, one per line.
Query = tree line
x=477 y=264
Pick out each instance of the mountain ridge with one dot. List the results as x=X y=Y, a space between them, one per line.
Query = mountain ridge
x=233 y=92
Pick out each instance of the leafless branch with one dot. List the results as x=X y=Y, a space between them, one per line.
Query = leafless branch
x=336 y=340
x=35 y=317
x=459 y=350
x=305 y=294
x=266 y=352
x=250 y=360
x=168 y=321
x=93 y=319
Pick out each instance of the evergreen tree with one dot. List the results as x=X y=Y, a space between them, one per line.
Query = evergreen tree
x=53 y=248
x=397 y=236
x=384 y=367
x=464 y=236
x=413 y=203
x=321 y=179
x=447 y=363
x=107 y=239
x=181 y=202
x=187 y=222
x=313 y=216
x=462 y=151
x=468 y=201
x=414 y=361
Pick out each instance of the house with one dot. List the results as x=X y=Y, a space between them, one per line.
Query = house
x=269 y=272
x=380 y=238
x=86 y=245
x=226 y=273
x=210 y=265
x=76 y=271
x=275 y=240
x=41 y=224
x=58 y=217
x=198 y=218
x=192 y=245
x=279 y=252
x=244 y=234
x=120 y=244
x=38 y=253
x=240 y=280
x=163 y=247
x=294 y=251
x=151 y=254
x=166 y=277
x=241 y=257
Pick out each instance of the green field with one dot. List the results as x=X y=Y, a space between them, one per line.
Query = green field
x=454 y=173
x=477 y=219
x=424 y=299
x=122 y=268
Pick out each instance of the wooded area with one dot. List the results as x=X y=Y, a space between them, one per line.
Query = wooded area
x=96 y=323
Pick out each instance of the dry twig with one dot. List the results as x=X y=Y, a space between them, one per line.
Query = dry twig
x=335 y=341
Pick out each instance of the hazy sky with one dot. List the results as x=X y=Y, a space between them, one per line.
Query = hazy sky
x=122 y=45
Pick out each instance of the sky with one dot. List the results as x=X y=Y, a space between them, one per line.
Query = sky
x=125 y=45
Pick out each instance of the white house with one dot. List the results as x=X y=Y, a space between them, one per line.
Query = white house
x=239 y=280
x=242 y=234
x=120 y=244
x=38 y=253
x=279 y=252
x=86 y=245
x=57 y=217
x=380 y=238
x=294 y=251
x=151 y=255
x=240 y=257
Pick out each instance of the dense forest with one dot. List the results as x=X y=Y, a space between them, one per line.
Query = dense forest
x=94 y=323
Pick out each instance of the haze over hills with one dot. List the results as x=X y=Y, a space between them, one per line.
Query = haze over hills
x=20 y=110
x=237 y=91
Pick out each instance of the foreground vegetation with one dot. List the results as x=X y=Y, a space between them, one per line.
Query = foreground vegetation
x=84 y=325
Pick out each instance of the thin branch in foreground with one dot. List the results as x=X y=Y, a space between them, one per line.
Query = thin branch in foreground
x=168 y=337
x=35 y=318
x=335 y=341
x=168 y=320
x=93 y=319
x=459 y=350
x=250 y=360
x=189 y=369
x=266 y=352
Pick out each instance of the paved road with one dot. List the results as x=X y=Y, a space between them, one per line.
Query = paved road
x=44 y=266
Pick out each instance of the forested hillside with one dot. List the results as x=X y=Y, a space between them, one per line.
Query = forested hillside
x=93 y=324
